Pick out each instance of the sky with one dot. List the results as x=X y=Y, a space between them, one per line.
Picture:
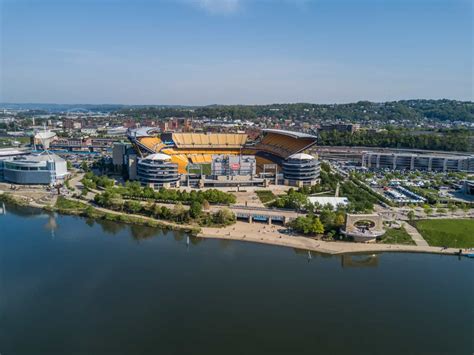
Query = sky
x=200 y=52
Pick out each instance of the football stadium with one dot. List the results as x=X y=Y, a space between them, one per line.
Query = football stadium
x=194 y=152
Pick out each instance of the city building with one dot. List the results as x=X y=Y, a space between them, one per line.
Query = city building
x=411 y=161
x=44 y=168
x=468 y=187
x=340 y=127
x=157 y=170
x=301 y=170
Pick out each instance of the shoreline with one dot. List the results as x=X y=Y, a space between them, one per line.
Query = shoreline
x=104 y=214
x=240 y=231
x=270 y=236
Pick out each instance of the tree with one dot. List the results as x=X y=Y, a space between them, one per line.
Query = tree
x=178 y=212
x=411 y=215
x=428 y=210
x=195 y=209
x=133 y=206
x=452 y=207
x=317 y=226
x=84 y=166
x=339 y=220
x=224 y=216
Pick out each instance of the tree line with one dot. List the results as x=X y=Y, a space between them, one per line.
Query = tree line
x=448 y=140
x=413 y=110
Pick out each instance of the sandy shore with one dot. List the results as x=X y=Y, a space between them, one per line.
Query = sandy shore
x=260 y=233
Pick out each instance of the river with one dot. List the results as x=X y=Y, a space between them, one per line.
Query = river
x=69 y=285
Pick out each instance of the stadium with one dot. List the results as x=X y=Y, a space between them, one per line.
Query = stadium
x=195 y=151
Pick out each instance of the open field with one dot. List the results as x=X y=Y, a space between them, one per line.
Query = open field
x=455 y=233
x=397 y=236
x=9 y=141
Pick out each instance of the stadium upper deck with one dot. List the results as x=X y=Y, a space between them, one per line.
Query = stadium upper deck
x=197 y=148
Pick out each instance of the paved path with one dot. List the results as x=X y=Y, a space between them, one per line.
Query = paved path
x=415 y=235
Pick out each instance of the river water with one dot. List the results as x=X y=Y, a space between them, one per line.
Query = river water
x=69 y=285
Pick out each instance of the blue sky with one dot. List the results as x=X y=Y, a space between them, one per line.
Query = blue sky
x=199 y=52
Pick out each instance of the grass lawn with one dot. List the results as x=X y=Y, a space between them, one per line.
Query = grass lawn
x=455 y=233
x=396 y=236
x=65 y=204
x=265 y=195
x=205 y=168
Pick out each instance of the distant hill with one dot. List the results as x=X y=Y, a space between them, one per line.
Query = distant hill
x=412 y=110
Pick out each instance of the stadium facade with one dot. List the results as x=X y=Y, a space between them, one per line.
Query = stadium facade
x=301 y=170
x=217 y=153
x=157 y=170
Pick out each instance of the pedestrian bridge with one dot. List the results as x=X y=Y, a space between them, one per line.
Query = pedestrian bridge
x=268 y=215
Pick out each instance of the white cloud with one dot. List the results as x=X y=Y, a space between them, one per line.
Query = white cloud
x=220 y=6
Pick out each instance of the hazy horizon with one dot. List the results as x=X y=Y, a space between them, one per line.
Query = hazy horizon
x=227 y=52
x=214 y=104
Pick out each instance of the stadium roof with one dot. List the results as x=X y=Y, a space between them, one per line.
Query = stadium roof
x=142 y=131
x=289 y=133
x=158 y=156
x=7 y=152
x=301 y=156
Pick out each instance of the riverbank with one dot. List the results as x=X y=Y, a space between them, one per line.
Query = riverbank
x=264 y=234
x=80 y=208
x=241 y=231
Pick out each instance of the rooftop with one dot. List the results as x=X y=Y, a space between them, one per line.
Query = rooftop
x=301 y=156
x=289 y=133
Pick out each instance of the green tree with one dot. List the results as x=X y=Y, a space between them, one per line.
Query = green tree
x=133 y=206
x=224 y=216
x=428 y=210
x=195 y=210
x=84 y=166
x=339 y=220
x=317 y=226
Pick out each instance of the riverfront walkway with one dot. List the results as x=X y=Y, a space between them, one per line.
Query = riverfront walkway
x=415 y=235
x=265 y=234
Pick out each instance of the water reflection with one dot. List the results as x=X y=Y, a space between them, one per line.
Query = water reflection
x=178 y=235
x=140 y=232
x=347 y=260
x=358 y=260
x=23 y=211
x=52 y=225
